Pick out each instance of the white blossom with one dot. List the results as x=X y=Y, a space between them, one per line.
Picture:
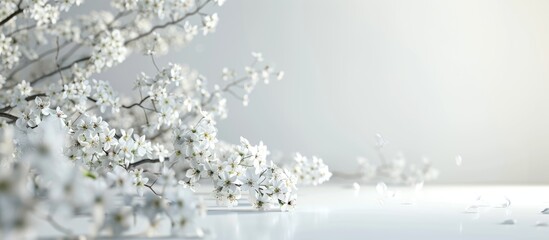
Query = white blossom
x=43 y=13
x=9 y=52
x=72 y=145
x=310 y=171
x=109 y=51
x=209 y=23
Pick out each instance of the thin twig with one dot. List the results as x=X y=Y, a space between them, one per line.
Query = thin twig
x=29 y=98
x=57 y=60
x=176 y=21
x=36 y=80
x=225 y=89
x=136 y=104
x=135 y=164
x=21 y=29
x=40 y=57
x=69 y=53
x=58 y=226
x=154 y=63
x=151 y=188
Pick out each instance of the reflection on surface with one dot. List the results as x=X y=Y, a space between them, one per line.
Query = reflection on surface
x=338 y=210
x=244 y=222
x=434 y=212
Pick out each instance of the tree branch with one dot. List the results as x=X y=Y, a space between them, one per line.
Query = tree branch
x=34 y=81
x=58 y=226
x=8 y=18
x=21 y=29
x=29 y=98
x=40 y=57
x=225 y=89
x=8 y=116
x=176 y=21
x=136 y=104
x=135 y=164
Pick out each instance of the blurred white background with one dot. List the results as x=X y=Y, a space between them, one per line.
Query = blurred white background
x=437 y=78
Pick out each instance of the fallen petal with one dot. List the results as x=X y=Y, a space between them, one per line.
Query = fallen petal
x=458 y=160
x=509 y=222
x=542 y=224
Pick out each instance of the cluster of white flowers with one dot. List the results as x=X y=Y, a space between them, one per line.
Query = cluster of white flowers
x=310 y=172
x=236 y=169
x=84 y=165
x=109 y=51
x=210 y=23
x=35 y=113
x=396 y=170
x=42 y=12
x=105 y=96
x=16 y=97
x=71 y=145
x=254 y=73
x=195 y=143
x=156 y=8
x=233 y=169
x=9 y=52
x=77 y=92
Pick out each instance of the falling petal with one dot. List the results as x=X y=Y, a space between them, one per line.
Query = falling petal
x=419 y=186
x=381 y=188
x=356 y=186
x=472 y=209
x=380 y=141
x=458 y=160
x=509 y=222
x=492 y=201
x=381 y=202
x=507 y=203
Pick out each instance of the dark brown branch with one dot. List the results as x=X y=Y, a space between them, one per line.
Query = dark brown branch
x=135 y=164
x=29 y=98
x=32 y=97
x=137 y=104
x=152 y=189
x=8 y=116
x=8 y=18
x=5 y=109
x=34 y=81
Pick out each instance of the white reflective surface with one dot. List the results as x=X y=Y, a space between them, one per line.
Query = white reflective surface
x=338 y=211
